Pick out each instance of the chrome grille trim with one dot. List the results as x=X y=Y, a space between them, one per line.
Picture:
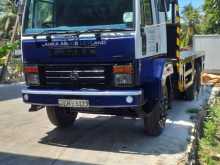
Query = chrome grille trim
x=76 y=75
x=77 y=71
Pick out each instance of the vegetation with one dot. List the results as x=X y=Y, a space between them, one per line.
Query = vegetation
x=209 y=145
x=8 y=14
x=8 y=32
x=191 y=24
x=7 y=47
x=197 y=21
x=14 y=67
x=211 y=20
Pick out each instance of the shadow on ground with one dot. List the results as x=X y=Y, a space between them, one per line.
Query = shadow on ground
x=8 y=92
x=118 y=135
x=126 y=135
x=17 y=159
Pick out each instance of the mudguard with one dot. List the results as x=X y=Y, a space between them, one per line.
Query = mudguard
x=153 y=75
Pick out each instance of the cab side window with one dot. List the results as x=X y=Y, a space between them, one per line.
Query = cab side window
x=146 y=12
x=146 y=19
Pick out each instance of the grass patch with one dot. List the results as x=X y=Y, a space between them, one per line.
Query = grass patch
x=209 y=144
x=193 y=110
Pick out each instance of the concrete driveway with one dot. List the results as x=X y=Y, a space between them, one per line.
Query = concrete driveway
x=29 y=138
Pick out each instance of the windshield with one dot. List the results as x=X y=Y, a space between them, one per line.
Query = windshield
x=78 y=15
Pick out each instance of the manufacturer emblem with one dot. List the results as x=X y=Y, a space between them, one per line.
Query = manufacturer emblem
x=74 y=75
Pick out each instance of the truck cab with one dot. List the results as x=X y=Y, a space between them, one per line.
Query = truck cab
x=118 y=57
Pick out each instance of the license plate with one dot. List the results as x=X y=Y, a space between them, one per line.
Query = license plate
x=73 y=103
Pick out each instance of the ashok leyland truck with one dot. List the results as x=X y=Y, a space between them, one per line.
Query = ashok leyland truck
x=118 y=57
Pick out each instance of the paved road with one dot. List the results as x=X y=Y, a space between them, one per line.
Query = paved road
x=29 y=138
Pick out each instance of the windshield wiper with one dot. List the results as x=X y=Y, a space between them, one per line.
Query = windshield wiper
x=55 y=31
x=64 y=31
x=99 y=30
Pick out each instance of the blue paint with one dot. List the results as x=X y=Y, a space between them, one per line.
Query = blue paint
x=151 y=76
x=95 y=101
x=116 y=50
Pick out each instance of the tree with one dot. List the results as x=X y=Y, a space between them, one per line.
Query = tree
x=190 y=26
x=8 y=14
x=211 y=16
x=10 y=20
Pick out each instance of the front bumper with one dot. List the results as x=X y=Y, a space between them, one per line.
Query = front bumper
x=96 y=98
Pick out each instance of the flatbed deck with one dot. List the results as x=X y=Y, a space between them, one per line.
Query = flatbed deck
x=189 y=54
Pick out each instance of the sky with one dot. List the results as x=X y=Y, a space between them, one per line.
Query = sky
x=195 y=3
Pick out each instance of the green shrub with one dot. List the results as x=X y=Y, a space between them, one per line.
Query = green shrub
x=209 y=144
x=7 y=47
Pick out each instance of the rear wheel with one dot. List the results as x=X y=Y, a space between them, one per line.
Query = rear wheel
x=61 y=117
x=198 y=78
x=191 y=92
x=155 y=121
x=194 y=89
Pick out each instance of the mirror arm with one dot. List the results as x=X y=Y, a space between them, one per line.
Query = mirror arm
x=173 y=13
x=142 y=31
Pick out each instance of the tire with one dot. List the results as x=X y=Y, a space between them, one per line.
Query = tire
x=194 y=89
x=155 y=121
x=190 y=94
x=198 y=78
x=61 y=117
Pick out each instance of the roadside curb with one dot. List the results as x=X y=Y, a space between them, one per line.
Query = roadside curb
x=12 y=84
x=196 y=131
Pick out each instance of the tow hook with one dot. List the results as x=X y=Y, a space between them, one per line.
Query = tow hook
x=35 y=108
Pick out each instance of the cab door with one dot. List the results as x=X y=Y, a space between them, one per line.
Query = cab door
x=153 y=28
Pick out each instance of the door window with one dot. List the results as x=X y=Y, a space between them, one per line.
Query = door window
x=146 y=19
x=146 y=12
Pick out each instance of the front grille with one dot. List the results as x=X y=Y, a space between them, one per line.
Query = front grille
x=87 y=51
x=76 y=75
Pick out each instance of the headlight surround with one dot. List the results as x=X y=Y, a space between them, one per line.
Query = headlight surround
x=32 y=79
x=123 y=75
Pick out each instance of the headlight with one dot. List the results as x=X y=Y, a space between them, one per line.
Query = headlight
x=123 y=75
x=123 y=79
x=32 y=75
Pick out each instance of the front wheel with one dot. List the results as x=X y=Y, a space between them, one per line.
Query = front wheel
x=155 y=121
x=61 y=117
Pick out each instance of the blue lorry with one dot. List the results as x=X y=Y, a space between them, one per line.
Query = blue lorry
x=118 y=57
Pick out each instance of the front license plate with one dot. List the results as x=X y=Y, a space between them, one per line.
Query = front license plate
x=73 y=103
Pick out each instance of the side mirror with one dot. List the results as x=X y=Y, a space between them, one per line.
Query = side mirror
x=142 y=31
x=128 y=17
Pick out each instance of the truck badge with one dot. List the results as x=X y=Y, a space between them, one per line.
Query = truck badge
x=74 y=75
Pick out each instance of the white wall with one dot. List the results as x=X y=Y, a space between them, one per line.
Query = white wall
x=211 y=45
